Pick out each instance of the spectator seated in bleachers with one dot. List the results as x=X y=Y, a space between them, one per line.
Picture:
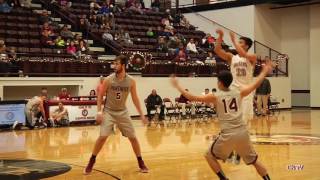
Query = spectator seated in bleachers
x=107 y=35
x=165 y=21
x=46 y=39
x=191 y=47
x=181 y=54
x=59 y=116
x=150 y=32
x=72 y=49
x=208 y=42
x=154 y=101
x=77 y=38
x=159 y=32
x=60 y=43
x=94 y=22
x=82 y=49
x=48 y=28
x=104 y=10
x=162 y=45
x=66 y=33
x=4 y=7
x=168 y=31
x=173 y=43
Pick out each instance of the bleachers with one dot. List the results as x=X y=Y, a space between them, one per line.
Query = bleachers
x=22 y=30
x=136 y=25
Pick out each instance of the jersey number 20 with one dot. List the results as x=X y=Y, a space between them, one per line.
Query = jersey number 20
x=230 y=105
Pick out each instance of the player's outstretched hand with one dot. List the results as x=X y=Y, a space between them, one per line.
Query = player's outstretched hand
x=99 y=118
x=144 y=120
x=174 y=81
x=267 y=67
x=232 y=35
x=220 y=32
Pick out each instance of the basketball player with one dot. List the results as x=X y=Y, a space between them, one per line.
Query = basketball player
x=234 y=134
x=33 y=108
x=242 y=67
x=117 y=87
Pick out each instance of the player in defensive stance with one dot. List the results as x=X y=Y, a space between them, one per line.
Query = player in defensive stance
x=234 y=134
x=117 y=87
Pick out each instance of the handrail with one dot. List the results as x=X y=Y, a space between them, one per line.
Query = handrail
x=96 y=37
x=267 y=47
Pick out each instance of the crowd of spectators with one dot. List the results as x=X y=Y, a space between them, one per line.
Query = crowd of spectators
x=102 y=17
x=54 y=36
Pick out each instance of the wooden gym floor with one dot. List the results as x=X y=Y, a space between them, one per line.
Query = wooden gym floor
x=175 y=152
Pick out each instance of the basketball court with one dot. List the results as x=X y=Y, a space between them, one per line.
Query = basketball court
x=175 y=151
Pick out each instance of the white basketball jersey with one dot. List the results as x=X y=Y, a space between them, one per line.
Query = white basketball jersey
x=242 y=71
x=33 y=103
x=229 y=109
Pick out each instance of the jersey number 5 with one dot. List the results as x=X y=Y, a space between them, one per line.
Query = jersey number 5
x=232 y=105
x=118 y=96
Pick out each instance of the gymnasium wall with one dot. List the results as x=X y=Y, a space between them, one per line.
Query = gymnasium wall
x=267 y=26
x=315 y=56
x=239 y=19
x=295 y=42
x=21 y=88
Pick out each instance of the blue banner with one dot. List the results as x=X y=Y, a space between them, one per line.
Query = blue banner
x=9 y=113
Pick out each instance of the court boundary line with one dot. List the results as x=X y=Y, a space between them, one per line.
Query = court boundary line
x=111 y=175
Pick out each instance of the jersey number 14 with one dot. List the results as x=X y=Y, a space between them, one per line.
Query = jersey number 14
x=230 y=105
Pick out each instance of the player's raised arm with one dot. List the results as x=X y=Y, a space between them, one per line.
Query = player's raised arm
x=100 y=95
x=218 y=48
x=136 y=101
x=251 y=57
x=265 y=71
x=210 y=98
